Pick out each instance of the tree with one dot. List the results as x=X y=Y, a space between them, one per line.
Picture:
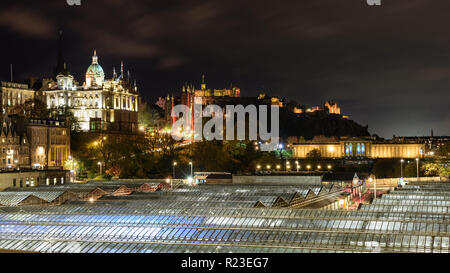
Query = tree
x=114 y=171
x=314 y=154
x=67 y=114
x=149 y=115
x=440 y=164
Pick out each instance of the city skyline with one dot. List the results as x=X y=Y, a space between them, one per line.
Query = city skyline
x=298 y=51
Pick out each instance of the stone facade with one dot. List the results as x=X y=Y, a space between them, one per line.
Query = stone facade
x=14 y=94
x=355 y=147
x=33 y=143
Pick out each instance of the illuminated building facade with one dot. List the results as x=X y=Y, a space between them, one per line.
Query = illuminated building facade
x=329 y=107
x=360 y=147
x=14 y=94
x=99 y=104
x=204 y=96
x=33 y=143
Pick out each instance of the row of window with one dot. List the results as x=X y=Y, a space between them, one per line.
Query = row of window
x=29 y=181
x=359 y=148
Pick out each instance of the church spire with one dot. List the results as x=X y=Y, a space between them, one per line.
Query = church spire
x=60 y=58
x=203 y=86
x=95 y=58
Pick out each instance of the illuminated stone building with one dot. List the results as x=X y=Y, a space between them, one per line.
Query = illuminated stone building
x=360 y=147
x=330 y=107
x=14 y=94
x=33 y=143
x=204 y=96
x=99 y=104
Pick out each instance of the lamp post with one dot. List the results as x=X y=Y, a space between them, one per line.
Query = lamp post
x=73 y=168
x=258 y=167
x=190 y=163
x=417 y=163
x=173 y=170
x=100 y=164
x=401 y=168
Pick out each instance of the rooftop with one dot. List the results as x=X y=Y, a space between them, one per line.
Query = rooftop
x=213 y=218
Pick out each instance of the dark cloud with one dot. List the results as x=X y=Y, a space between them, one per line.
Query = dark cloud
x=387 y=66
x=26 y=22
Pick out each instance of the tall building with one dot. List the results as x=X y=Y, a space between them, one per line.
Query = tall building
x=99 y=104
x=204 y=96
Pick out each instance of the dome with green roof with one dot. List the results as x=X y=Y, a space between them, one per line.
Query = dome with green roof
x=95 y=74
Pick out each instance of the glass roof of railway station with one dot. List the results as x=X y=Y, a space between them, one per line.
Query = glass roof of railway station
x=204 y=219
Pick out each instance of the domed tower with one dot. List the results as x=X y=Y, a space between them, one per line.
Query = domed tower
x=65 y=80
x=94 y=74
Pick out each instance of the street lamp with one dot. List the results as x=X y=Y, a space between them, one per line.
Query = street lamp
x=73 y=168
x=417 y=162
x=173 y=170
x=190 y=163
x=258 y=167
x=100 y=164
x=297 y=165
x=308 y=167
x=401 y=168
x=268 y=167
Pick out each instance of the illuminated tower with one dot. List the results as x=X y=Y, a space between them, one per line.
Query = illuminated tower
x=94 y=74
x=203 y=86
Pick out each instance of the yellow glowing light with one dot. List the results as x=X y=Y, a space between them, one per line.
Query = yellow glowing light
x=278 y=166
x=268 y=166
x=258 y=167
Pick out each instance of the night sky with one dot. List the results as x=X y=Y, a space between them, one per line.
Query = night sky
x=388 y=67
